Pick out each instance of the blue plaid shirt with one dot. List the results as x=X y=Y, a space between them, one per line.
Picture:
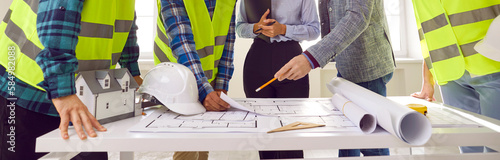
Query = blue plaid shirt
x=58 y=32
x=178 y=28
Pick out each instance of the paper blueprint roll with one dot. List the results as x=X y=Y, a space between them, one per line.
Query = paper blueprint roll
x=401 y=121
x=361 y=118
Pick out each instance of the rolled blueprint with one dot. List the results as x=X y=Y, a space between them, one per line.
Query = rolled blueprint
x=403 y=122
x=361 y=118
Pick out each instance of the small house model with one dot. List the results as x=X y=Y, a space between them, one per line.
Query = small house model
x=108 y=94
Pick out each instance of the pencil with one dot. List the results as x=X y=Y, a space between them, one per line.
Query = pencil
x=264 y=85
x=267 y=25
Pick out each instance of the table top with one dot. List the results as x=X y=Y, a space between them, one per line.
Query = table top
x=118 y=138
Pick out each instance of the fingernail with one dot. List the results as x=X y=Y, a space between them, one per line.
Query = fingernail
x=65 y=136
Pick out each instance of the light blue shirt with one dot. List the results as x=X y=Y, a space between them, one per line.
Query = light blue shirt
x=299 y=16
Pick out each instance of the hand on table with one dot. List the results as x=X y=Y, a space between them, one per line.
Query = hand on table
x=213 y=102
x=70 y=108
x=427 y=93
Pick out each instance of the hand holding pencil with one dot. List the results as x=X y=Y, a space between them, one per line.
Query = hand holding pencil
x=260 y=29
x=295 y=69
x=264 y=85
x=273 y=28
x=257 y=27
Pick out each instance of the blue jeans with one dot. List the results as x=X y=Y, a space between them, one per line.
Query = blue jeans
x=377 y=86
x=479 y=95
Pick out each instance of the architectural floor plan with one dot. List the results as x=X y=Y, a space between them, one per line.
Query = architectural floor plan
x=265 y=115
x=262 y=115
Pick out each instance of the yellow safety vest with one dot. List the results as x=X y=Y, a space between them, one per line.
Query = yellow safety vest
x=105 y=25
x=209 y=35
x=448 y=31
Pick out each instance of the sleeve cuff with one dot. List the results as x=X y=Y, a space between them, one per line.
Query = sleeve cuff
x=251 y=34
x=59 y=86
x=203 y=91
x=288 y=31
x=310 y=58
x=133 y=68
x=222 y=84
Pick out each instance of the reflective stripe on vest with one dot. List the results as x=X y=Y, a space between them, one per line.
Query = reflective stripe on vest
x=209 y=35
x=100 y=42
x=448 y=31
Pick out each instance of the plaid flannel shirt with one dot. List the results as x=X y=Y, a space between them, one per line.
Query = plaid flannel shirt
x=58 y=31
x=181 y=41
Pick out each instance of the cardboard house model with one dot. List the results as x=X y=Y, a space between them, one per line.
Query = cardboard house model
x=108 y=94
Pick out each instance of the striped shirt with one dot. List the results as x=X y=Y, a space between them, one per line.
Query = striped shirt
x=181 y=41
x=58 y=32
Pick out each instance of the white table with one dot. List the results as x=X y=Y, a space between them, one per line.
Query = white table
x=118 y=138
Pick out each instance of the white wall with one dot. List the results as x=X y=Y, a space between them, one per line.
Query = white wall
x=4 y=7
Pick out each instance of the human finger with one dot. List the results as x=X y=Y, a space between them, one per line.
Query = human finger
x=96 y=123
x=215 y=104
x=264 y=16
x=77 y=124
x=268 y=21
x=222 y=103
x=415 y=94
x=207 y=106
x=87 y=124
x=281 y=73
x=63 y=126
x=211 y=103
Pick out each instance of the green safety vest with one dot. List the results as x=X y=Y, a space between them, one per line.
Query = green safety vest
x=449 y=30
x=209 y=35
x=105 y=25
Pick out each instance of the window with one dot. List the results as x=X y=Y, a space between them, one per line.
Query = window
x=81 y=90
x=396 y=23
x=395 y=19
x=146 y=12
x=126 y=86
x=106 y=82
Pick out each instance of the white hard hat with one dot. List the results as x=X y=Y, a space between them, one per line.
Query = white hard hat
x=490 y=45
x=174 y=86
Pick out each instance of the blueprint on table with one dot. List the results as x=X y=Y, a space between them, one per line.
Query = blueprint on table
x=164 y=120
x=277 y=113
x=283 y=107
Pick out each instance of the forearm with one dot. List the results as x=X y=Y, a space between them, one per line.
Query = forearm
x=130 y=53
x=301 y=32
x=309 y=27
x=427 y=75
x=58 y=60
x=243 y=27
x=226 y=66
x=345 y=32
x=181 y=41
